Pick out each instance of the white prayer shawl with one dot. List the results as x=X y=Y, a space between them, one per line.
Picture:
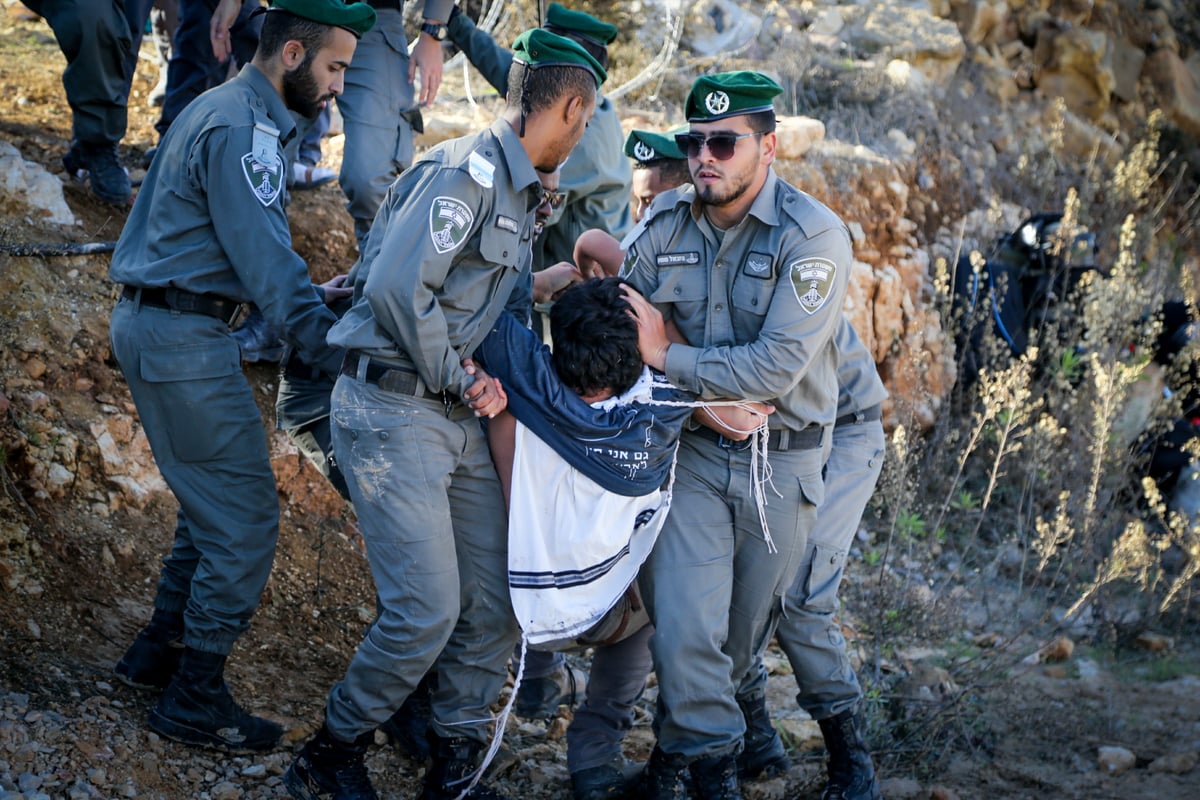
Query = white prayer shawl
x=573 y=547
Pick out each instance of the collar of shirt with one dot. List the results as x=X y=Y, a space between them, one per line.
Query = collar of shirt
x=520 y=167
x=277 y=110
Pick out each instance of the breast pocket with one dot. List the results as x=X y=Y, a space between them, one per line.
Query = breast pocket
x=753 y=295
x=498 y=244
x=683 y=288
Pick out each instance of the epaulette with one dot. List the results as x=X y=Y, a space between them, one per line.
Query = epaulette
x=811 y=215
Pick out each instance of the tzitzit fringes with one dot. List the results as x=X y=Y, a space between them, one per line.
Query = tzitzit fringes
x=760 y=464
x=501 y=723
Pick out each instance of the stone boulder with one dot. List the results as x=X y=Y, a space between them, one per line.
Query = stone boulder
x=29 y=187
x=911 y=33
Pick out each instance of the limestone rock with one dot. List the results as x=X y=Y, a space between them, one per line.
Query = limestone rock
x=796 y=135
x=1175 y=763
x=932 y=45
x=1115 y=760
x=1076 y=65
x=126 y=459
x=28 y=185
x=1177 y=83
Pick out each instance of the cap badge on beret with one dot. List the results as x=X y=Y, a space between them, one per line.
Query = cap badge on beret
x=716 y=102
x=643 y=151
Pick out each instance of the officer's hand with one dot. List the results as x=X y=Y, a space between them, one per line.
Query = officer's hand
x=598 y=254
x=734 y=422
x=652 y=333
x=335 y=289
x=486 y=397
x=427 y=57
x=553 y=281
x=223 y=17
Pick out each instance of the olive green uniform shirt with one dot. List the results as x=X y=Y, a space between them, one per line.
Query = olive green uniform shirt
x=448 y=248
x=763 y=301
x=209 y=217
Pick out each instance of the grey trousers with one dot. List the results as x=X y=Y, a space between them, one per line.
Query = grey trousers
x=432 y=517
x=714 y=590
x=807 y=632
x=379 y=139
x=185 y=374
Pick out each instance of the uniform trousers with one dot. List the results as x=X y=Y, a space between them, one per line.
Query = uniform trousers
x=193 y=68
x=185 y=375
x=807 y=632
x=99 y=39
x=432 y=517
x=714 y=590
x=374 y=101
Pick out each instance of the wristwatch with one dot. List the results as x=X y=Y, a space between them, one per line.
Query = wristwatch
x=436 y=30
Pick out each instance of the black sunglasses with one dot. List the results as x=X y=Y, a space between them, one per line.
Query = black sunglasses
x=553 y=199
x=721 y=145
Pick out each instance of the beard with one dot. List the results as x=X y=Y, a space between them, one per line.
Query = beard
x=300 y=90
x=731 y=188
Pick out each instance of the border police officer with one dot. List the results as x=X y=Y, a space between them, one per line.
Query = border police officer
x=754 y=271
x=658 y=165
x=449 y=246
x=808 y=634
x=206 y=234
x=595 y=178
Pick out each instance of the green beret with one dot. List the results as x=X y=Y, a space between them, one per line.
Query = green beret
x=539 y=47
x=648 y=146
x=580 y=24
x=729 y=94
x=358 y=18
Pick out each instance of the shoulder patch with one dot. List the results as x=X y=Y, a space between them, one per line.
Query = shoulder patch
x=630 y=261
x=265 y=178
x=450 y=221
x=758 y=265
x=481 y=170
x=812 y=282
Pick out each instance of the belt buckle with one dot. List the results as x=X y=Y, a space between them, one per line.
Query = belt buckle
x=733 y=444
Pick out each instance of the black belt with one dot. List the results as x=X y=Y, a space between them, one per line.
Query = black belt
x=778 y=439
x=396 y=4
x=871 y=414
x=210 y=305
x=296 y=368
x=392 y=379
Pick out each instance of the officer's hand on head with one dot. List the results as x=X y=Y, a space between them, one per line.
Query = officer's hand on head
x=426 y=57
x=335 y=289
x=223 y=17
x=652 y=334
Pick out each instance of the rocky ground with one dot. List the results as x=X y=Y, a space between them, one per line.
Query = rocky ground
x=83 y=524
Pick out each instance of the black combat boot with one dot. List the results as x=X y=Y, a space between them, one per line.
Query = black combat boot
x=408 y=728
x=329 y=767
x=539 y=698
x=98 y=163
x=663 y=777
x=455 y=761
x=715 y=777
x=851 y=774
x=196 y=708
x=763 y=754
x=153 y=658
x=610 y=781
